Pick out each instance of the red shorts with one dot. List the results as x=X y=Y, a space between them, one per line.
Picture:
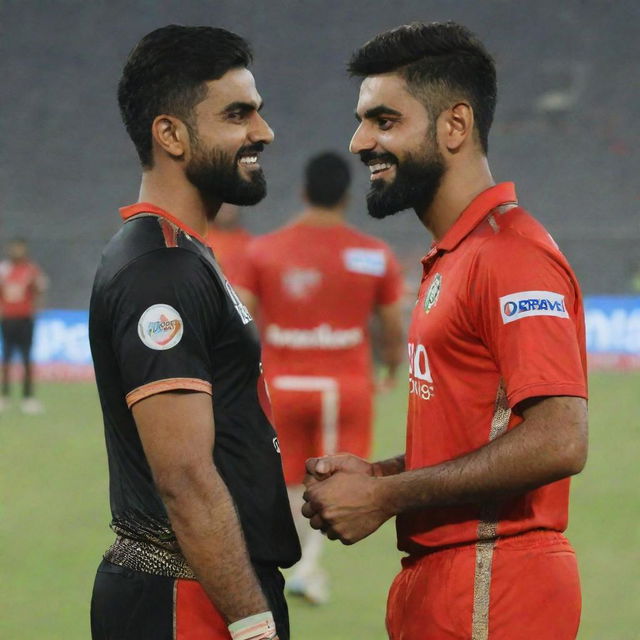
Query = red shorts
x=320 y=415
x=523 y=587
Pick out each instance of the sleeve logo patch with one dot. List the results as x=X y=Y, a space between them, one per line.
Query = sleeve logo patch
x=526 y=304
x=160 y=327
x=370 y=262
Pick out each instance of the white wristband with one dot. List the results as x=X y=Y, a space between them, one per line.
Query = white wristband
x=258 y=627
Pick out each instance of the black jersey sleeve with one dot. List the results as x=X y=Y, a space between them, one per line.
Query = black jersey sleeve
x=164 y=309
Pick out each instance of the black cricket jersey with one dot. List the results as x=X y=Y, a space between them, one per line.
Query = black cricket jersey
x=163 y=317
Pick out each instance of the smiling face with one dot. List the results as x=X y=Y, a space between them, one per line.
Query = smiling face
x=398 y=142
x=226 y=139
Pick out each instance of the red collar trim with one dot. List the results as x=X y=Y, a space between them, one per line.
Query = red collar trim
x=476 y=212
x=146 y=207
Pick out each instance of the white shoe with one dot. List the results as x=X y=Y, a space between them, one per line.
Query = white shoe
x=313 y=587
x=31 y=406
x=5 y=404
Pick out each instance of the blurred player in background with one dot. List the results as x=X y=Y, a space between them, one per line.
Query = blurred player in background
x=316 y=283
x=497 y=418
x=200 y=530
x=22 y=283
x=228 y=240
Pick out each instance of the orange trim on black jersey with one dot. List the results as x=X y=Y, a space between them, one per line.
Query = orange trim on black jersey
x=168 y=384
x=146 y=207
x=170 y=233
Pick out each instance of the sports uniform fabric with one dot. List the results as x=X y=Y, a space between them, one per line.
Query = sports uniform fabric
x=534 y=592
x=471 y=362
x=229 y=246
x=20 y=282
x=317 y=287
x=131 y=605
x=164 y=318
x=17 y=336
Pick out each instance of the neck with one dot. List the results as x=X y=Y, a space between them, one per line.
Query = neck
x=457 y=189
x=171 y=191
x=321 y=217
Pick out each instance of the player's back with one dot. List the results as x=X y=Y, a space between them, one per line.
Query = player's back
x=317 y=286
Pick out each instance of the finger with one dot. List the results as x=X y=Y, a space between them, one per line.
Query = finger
x=310 y=465
x=332 y=534
x=310 y=480
x=307 y=510
x=317 y=522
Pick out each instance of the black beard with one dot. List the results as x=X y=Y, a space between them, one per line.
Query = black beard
x=217 y=176
x=415 y=186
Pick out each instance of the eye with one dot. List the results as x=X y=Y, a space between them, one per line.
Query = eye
x=384 y=124
x=235 y=115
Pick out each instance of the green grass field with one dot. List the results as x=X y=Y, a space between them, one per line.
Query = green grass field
x=54 y=516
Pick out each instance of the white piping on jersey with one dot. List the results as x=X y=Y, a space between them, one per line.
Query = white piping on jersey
x=330 y=403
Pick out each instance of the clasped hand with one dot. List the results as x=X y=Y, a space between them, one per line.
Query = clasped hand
x=343 y=498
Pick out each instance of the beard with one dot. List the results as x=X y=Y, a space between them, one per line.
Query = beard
x=216 y=175
x=415 y=186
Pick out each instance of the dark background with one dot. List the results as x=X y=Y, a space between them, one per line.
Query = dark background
x=566 y=128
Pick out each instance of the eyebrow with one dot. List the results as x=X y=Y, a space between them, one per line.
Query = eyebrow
x=243 y=106
x=378 y=111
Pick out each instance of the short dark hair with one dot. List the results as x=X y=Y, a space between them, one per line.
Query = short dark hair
x=166 y=72
x=327 y=178
x=441 y=63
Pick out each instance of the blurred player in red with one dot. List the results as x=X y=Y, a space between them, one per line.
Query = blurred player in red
x=497 y=415
x=316 y=283
x=21 y=283
x=228 y=240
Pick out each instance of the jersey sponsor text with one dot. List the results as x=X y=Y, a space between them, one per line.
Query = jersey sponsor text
x=526 y=304
x=321 y=337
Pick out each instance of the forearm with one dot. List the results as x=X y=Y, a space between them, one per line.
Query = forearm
x=206 y=525
x=535 y=453
x=389 y=467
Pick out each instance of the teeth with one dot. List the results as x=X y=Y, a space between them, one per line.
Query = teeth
x=374 y=168
x=248 y=159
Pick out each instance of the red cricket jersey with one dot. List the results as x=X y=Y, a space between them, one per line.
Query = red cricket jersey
x=20 y=282
x=228 y=247
x=317 y=287
x=499 y=318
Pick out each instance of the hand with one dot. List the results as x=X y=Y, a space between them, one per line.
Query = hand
x=347 y=506
x=323 y=468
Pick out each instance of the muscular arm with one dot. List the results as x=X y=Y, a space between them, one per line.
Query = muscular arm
x=391 y=338
x=177 y=433
x=550 y=444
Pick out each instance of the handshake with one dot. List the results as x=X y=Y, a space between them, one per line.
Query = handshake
x=346 y=497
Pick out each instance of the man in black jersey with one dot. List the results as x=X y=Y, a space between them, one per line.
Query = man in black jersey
x=199 y=504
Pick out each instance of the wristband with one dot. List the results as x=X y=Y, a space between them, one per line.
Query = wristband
x=258 y=627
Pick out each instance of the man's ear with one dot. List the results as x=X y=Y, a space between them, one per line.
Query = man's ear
x=171 y=135
x=456 y=126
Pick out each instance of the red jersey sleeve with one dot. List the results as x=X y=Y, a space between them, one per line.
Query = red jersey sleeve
x=526 y=305
x=247 y=275
x=392 y=283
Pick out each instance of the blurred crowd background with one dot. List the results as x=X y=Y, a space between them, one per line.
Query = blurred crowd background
x=566 y=127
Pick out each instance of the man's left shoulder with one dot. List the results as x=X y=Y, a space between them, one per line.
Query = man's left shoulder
x=516 y=234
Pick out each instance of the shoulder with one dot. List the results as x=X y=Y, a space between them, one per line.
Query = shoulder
x=513 y=238
x=149 y=242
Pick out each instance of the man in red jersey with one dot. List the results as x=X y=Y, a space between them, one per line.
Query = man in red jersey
x=228 y=240
x=21 y=283
x=316 y=283
x=497 y=417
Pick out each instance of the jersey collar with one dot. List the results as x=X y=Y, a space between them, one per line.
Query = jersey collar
x=146 y=207
x=476 y=212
